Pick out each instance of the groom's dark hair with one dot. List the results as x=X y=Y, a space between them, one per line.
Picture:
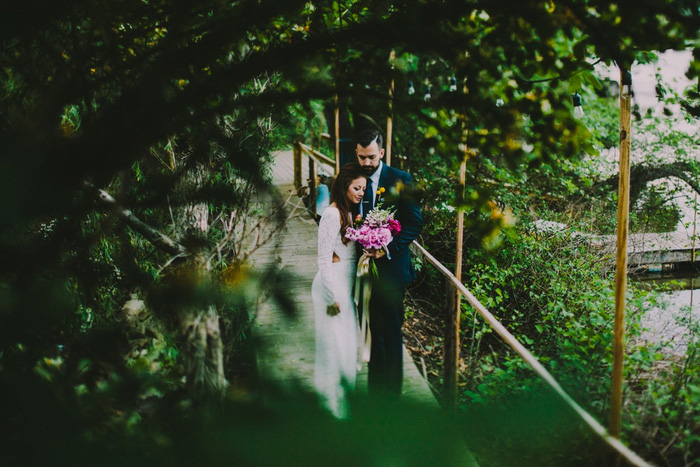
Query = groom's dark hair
x=365 y=138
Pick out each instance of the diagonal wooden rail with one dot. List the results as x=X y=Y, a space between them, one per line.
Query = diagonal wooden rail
x=614 y=444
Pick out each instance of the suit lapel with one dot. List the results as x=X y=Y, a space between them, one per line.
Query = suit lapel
x=384 y=181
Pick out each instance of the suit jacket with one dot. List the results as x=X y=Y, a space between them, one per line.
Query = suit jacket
x=398 y=271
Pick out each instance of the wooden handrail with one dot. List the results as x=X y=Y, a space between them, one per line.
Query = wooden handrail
x=530 y=359
x=317 y=155
x=614 y=443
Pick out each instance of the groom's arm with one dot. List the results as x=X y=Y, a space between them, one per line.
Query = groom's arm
x=410 y=217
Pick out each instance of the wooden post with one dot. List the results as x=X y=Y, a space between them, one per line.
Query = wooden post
x=337 y=99
x=692 y=289
x=387 y=153
x=622 y=234
x=312 y=185
x=313 y=174
x=389 y=123
x=297 y=166
x=695 y=226
x=337 y=135
x=454 y=302
x=450 y=371
x=320 y=137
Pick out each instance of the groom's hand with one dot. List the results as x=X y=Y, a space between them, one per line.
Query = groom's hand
x=333 y=309
x=374 y=253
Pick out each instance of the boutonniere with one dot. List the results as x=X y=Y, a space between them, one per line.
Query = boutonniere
x=380 y=192
x=358 y=220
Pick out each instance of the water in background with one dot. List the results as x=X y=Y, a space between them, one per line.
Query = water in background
x=672 y=321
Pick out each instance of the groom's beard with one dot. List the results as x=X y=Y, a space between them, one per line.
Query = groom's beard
x=369 y=170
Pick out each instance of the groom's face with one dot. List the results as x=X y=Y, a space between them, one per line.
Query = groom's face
x=369 y=157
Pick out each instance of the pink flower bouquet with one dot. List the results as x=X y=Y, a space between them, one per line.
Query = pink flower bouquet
x=377 y=231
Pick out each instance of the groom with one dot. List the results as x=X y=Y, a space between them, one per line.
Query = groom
x=395 y=271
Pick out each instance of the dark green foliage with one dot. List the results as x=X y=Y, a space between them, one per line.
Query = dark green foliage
x=163 y=431
x=554 y=292
x=655 y=213
x=530 y=427
x=137 y=96
x=564 y=317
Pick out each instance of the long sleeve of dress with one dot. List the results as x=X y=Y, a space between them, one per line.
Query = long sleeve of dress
x=328 y=235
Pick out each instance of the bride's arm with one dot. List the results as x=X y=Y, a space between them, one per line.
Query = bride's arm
x=328 y=233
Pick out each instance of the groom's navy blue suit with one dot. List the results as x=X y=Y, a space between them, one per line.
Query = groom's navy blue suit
x=389 y=288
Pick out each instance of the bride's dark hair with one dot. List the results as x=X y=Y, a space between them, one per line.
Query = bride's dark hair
x=348 y=210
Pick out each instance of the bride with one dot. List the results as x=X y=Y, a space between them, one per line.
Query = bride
x=334 y=309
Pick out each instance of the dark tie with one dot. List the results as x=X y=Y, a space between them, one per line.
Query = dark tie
x=367 y=201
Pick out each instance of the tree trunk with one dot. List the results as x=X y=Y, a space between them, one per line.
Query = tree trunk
x=203 y=349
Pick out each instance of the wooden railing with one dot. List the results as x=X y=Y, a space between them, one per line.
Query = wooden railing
x=315 y=157
x=614 y=443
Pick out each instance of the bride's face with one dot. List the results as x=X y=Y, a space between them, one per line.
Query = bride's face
x=356 y=190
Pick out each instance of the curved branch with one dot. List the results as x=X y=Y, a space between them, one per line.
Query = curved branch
x=156 y=237
x=641 y=174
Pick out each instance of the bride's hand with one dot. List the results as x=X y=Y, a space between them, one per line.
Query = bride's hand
x=375 y=253
x=333 y=309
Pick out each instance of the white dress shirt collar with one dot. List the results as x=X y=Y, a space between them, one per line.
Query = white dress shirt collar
x=375 y=176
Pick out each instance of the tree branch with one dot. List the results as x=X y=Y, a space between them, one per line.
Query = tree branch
x=156 y=237
x=641 y=174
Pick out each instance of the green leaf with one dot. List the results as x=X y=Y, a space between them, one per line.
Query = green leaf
x=575 y=83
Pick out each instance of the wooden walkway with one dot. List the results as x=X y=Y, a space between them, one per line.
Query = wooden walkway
x=288 y=353
x=287 y=350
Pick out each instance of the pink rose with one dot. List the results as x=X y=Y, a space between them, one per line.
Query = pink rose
x=394 y=226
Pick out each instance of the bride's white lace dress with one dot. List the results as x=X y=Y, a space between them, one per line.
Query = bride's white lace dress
x=336 y=336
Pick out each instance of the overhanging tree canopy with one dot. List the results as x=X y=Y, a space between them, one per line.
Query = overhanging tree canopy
x=89 y=88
